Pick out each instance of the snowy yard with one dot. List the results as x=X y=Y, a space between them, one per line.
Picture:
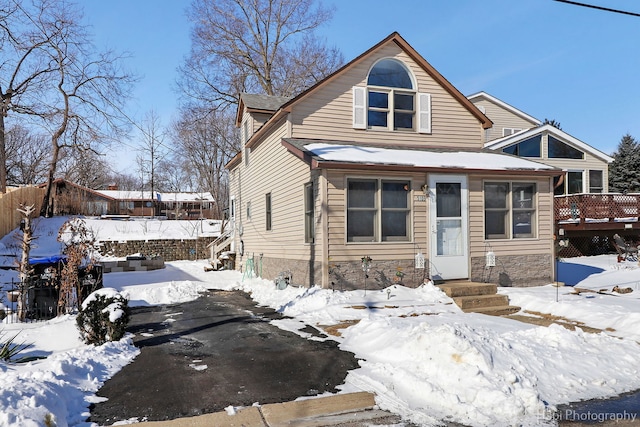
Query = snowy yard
x=422 y=356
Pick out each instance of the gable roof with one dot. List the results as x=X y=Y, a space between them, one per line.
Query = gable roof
x=551 y=130
x=410 y=51
x=259 y=103
x=338 y=155
x=484 y=95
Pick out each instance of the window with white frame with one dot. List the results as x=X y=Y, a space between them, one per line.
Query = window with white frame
x=378 y=210
x=596 y=181
x=510 y=131
x=390 y=100
x=572 y=182
x=509 y=210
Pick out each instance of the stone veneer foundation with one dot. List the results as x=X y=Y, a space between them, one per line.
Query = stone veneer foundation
x=514 y=270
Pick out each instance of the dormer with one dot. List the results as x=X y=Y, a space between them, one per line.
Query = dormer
x=390 y=100
x=254 y=110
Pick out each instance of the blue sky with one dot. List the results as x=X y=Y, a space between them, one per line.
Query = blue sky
x=553 y=60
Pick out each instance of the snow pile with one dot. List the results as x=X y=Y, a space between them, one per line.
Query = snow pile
x=423 y=357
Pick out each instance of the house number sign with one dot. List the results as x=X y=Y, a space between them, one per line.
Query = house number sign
x=421 y=198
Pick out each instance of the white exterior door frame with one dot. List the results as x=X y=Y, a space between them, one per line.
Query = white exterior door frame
x=449 y=225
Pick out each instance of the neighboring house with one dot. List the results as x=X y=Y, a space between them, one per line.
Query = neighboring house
x=384 y=159
x=73 y=199
x=171 y=205
x=515 y=132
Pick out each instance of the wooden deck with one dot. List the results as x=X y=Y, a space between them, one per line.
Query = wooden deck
x=612 y=211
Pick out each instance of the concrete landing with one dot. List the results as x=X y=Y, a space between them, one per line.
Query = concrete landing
x=356 y=409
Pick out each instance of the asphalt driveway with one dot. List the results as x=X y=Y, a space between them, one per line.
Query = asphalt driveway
x=202 y=356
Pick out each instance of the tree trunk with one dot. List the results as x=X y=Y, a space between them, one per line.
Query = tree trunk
x=47 y=203
x=25 y=269
x=3 y=151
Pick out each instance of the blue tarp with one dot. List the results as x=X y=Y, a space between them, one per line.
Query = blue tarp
x=52 y=259
x=572 y=274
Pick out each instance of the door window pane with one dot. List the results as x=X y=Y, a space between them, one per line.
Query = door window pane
x=448 y=199
x=449 y=237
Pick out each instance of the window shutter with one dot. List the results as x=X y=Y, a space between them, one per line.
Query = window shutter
x=424 y=112
x=359 y=107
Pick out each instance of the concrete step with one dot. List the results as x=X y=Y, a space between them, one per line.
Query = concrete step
x=481 y=301
x=503 y=310
x=460 y=289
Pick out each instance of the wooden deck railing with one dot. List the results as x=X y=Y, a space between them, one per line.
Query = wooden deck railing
x=595 y=208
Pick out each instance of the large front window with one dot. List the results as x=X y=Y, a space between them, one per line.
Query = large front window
x=378 y=210
x=391 y=97
x=509 y=210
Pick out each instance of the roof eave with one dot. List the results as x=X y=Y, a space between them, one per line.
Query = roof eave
x=327 y=164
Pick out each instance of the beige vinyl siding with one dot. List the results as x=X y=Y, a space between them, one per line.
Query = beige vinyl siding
x=501 y=118
x=542 y=244
x=327 y=114
x=274 y=170
x=340 y=250
x=590 y=162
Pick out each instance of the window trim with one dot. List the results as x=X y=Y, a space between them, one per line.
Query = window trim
x=421 y=112
x=309 y=213
x=511 y=131
x=601 y=187
x=268 y=211
x=510 y=211
x=378 y=211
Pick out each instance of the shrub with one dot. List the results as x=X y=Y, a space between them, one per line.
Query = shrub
x=9 y=349
x=103 y=317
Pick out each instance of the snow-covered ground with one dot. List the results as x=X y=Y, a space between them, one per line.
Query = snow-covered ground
x=422 y=356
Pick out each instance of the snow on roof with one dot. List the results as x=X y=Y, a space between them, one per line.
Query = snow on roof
x=167 y=197
x=185 y=197
x=423 y=158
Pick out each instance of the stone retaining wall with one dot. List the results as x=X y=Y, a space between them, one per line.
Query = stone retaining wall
x=168 y=249
x=132 y=265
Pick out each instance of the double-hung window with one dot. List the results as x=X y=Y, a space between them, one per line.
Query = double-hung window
x=378 y=210
x=509 y=210
x=390 y=100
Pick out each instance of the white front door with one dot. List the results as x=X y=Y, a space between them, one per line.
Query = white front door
x=449 y=243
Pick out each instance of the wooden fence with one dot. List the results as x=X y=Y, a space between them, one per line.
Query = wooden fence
x=11 y=201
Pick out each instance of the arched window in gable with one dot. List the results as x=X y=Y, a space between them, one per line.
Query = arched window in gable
x=390 y=100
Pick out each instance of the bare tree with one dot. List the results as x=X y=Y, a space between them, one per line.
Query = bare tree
x=152 y=150
x=27 y=155
x=207 y=143
x=258 y=46
x=54 y=74
x=85 y=167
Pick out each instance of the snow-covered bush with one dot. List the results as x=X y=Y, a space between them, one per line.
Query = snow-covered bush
x=103 y=317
